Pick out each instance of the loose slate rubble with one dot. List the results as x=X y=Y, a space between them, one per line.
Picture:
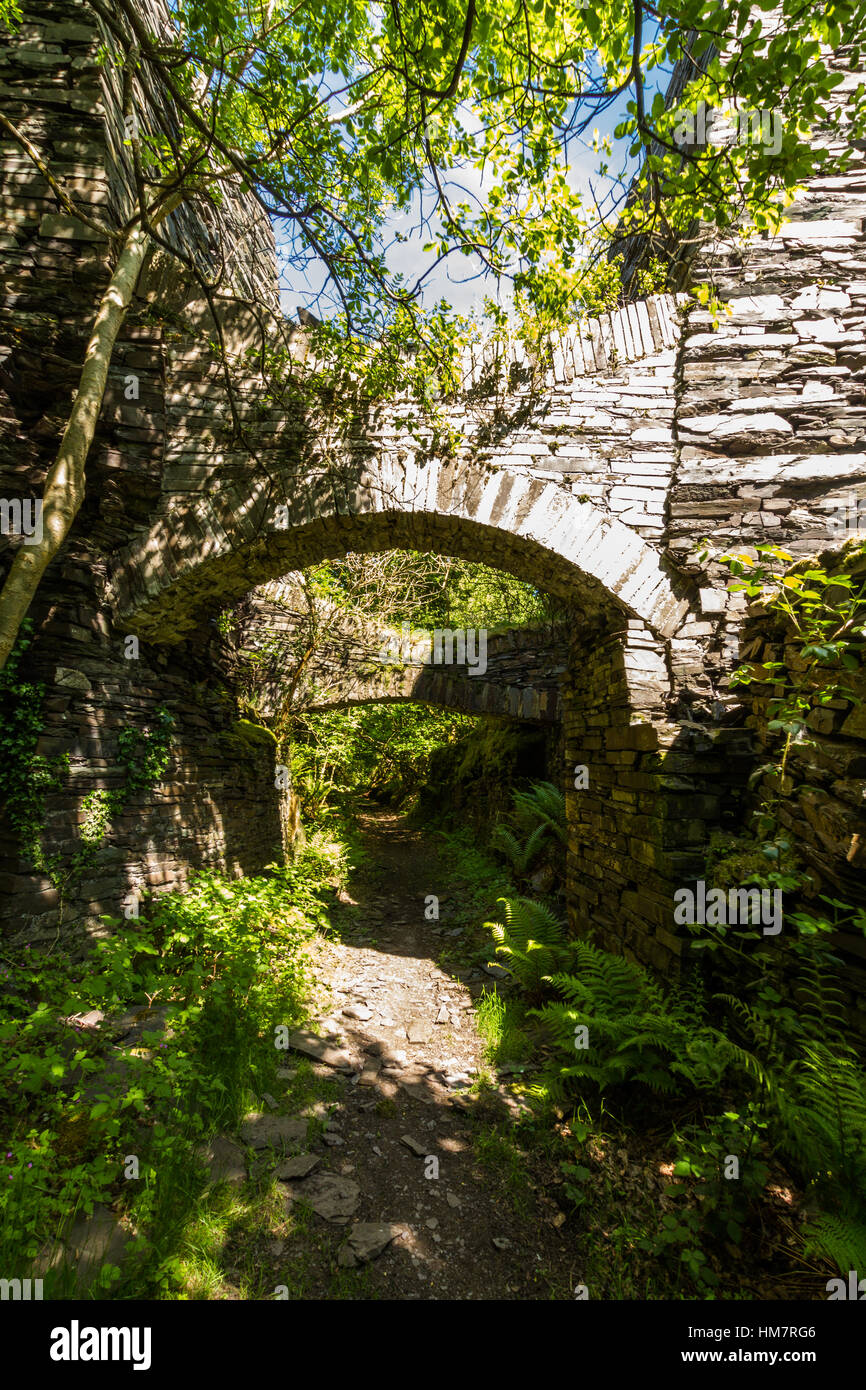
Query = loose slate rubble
x=359 y=1012
x=419 y=1150
x=301 y=1166
x=95 y=1241
x=225 y=1161
x=367 y=1240
x=372 y=1067
x=272 y=1131
x=419 y=1030
x=313 y=1046
x=331 y=1195
x=425 y=1089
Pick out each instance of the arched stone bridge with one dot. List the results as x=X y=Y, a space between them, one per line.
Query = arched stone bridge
x=553 y=501
x=323 y=659
x=594 y=473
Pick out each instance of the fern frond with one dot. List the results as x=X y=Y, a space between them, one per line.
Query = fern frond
x=839 y=1237
x=530 y=937
x=519 y=854
x=543 y=804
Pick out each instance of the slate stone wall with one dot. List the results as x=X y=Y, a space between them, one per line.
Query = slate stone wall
x=771 y=444
x=54 y=270
x=645 y=787
x=522 y=667
x=826 y=821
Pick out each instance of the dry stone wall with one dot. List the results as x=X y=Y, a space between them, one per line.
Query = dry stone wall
x=771 y=445
x=54 y=269
x=826 y=820
x=645 y=786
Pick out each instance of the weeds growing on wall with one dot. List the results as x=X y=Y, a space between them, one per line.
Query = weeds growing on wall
x=27 y=778
x=822 y=614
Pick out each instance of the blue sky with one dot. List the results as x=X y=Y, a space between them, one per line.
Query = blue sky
x=458 y=280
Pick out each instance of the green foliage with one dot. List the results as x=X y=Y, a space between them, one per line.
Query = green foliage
x=538 y=813
x=225 y=622
x=382 y=748
x=635 y=1031
x=390 y=749
x=499 y=1023
x=726 y=1192
x=226 y=963
x=739 y=861
x=840 y=1238
x=554 y=297
x=26 y=777
x=649 y=279
x=519 y=853
x=823 y=1108
x=427 y=591
x=680 y=1242
x=473 y=874
x=823 y=616
x=542 y=805
x=811 y=1083
x=786 y=1004
x=345 y=121
x=799 y=1083
x=529 y=938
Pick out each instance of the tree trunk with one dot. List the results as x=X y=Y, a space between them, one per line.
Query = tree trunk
x=64 y=486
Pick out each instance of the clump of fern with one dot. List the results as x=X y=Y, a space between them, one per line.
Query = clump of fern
x=812 y=1083
x=542 y=804
x=519 y=852
x=634 y=1030
x=531 y=940
x=538 y=814
x=823 y=1111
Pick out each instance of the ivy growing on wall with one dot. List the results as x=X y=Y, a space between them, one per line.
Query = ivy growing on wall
x=823 y=614
x=27 y=777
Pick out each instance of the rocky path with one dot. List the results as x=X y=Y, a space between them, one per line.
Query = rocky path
x=415 y=1181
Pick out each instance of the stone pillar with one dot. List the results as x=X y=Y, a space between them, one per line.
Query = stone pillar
x=656 y=785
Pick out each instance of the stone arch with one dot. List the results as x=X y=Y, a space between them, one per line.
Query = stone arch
x=506 y=672
x=445 y=691
x=223 y=543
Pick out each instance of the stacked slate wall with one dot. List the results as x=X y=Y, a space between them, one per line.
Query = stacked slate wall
x=55 y=269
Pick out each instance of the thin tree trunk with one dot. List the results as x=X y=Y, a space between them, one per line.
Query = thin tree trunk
x=65 y=484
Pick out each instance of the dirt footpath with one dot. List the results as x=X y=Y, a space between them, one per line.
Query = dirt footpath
x=422 y=1187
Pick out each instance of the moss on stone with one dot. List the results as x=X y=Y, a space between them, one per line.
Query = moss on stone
x=256 y=734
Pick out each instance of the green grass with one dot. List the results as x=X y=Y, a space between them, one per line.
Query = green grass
x=505 y=1162
x=474 y=876
x=499 y=1022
